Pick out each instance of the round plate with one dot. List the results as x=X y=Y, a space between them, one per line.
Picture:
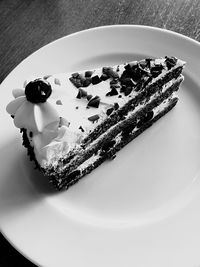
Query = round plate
x=141 y=209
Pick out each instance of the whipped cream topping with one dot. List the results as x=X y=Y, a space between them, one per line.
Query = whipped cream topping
x=31 y=116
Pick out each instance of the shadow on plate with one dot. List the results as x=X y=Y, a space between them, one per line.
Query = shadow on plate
x=20 y=184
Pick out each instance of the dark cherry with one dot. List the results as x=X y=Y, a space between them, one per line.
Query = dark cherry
x=38 y=91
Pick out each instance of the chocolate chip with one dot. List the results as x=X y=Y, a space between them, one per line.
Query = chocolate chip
x=88 y=73
x=117 y=69
x=94 y=102
x=96 y=79
x=109 y=111
x=81 y=93
x=120 y=96
x=93 y=118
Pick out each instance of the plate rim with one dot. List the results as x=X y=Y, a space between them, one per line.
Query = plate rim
x=104 y=27
x=123 y=26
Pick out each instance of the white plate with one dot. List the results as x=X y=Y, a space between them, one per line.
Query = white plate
x=143 y=208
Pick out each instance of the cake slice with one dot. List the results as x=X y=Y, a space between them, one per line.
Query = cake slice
x=71 y=123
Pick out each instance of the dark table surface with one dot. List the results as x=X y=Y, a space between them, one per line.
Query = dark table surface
x=25 y=26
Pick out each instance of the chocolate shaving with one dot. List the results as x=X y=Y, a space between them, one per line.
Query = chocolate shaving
x=128 y=90
x=75 y=75
x=93 y=118
x=94 y=102
x=170 y=62
x=59 y=102
x=109 y=111
x=88 y=73
x=104 y=77
x=112 y=92
x=46 y=77
x=110 y=72
x=87 y=82
x=81 y=93
x=81 y=128
x=127 y=81
x=89 y=97
x=57 y=81
x=96 y=79
x=116 y=106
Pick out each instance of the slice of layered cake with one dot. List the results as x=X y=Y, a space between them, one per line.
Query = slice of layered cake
x=71 y=123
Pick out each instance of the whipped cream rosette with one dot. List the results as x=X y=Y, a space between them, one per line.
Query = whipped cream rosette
x=30 y=108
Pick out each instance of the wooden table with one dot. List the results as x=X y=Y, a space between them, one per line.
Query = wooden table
x=25 y=26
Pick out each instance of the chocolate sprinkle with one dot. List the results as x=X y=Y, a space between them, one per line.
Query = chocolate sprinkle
x=110 y=72
x=46 y=77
